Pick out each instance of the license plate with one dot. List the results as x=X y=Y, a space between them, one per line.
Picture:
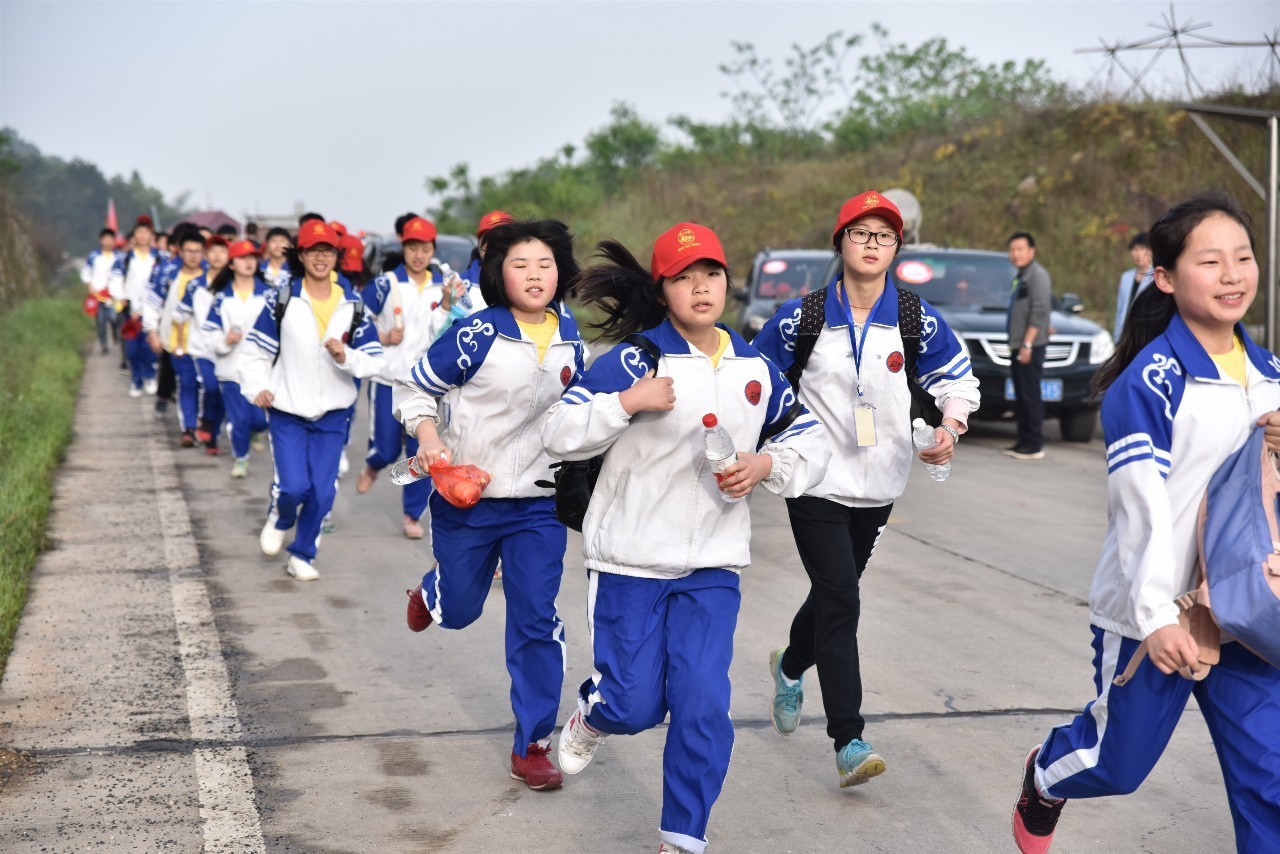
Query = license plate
x=1050 y=390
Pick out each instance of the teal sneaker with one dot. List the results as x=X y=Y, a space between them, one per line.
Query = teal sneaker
x=858 y=763
x=787 y=699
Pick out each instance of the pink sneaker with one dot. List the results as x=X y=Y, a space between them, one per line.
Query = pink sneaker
x=1034 y=818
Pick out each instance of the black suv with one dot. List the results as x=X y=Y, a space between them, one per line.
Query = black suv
x=971 y=288
x=776 y=276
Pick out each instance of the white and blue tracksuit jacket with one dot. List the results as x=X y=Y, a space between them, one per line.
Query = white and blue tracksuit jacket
x=193 y=309
x=281 y=277
x=423 y=318
x=96 y=272
x=656 y=511
x=871 y=476
x=305 y=381
x=1170 y=420
x=162 y=298
x=132 y=274
x=228 y=312
x=482 y=385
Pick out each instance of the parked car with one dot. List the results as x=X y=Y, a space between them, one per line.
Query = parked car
x=776 y=276
x=452 y=249
x=970 y=288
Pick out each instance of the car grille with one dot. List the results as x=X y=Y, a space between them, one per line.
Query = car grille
x=1059 y=354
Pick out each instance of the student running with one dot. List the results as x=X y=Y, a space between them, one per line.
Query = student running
x=662 y=543
x=302 y=356
x=239 y=296
x=96 y=275
x=131 y=277
x=856 y=382
x=405 y=304
x=167 y=337
x=480 y=396
x=192 y=312
x=1183 y=392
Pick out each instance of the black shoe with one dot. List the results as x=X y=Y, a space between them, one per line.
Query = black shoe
x=162 y=406
x=1033 y=817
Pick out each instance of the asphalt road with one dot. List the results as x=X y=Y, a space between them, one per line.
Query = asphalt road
x=178 y=692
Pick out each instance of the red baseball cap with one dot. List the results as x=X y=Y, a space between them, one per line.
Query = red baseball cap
x=316 y=232
x=491 y=219
x=866 y=204
x=681 y=245
x=339 y=227
x=242 y=248
x=143 y=219
x=418 y=229
x=352 y=254
x=215 y=240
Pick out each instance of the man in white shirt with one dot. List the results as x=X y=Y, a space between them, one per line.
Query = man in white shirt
x=96 y=276
x=1134 y=280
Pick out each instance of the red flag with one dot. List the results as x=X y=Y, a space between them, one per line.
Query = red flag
x=111 y=216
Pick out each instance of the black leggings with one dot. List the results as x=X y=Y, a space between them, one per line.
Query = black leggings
x=166 y=382
x=835 y=542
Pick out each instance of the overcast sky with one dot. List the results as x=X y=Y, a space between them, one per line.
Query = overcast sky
x=349 y=106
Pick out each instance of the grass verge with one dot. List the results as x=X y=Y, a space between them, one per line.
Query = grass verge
x=41 y=349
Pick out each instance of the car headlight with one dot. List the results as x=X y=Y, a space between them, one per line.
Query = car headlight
x=1100 y=347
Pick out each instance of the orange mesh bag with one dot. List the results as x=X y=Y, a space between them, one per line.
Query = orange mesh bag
x=459 y=485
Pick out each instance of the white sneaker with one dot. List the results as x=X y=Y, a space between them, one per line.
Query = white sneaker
x=135 y=392
x=271 y=539
x=343 y=465
x=578 y=743
x=150 y=386
x=300 y=569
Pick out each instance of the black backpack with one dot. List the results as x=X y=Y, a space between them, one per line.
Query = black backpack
x=283 y=293
x=575 y=480
x=813 y=317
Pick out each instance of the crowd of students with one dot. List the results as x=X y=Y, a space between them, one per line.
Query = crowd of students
x=488 y=367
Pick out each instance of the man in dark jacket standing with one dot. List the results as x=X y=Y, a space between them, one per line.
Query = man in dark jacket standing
x=1029 y=307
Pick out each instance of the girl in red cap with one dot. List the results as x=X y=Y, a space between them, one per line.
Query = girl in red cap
x=480 y=396
x=239 y=295
x=867 y=342
x=663 y=542
x=310 y=342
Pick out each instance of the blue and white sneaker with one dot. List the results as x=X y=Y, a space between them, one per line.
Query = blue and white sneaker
x=787 y=699
x=858 y=763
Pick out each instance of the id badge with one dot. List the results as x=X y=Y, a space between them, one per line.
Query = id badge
x=864 y=425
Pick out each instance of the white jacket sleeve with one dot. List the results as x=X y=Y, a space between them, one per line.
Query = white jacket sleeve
x=580 y=431
x=411 y=405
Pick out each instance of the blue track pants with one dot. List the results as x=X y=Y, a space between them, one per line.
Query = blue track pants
x=212 y=410
x=665 y=645
x=245 y=418
x=388 y=443
x=184 y=371
x=306 y=455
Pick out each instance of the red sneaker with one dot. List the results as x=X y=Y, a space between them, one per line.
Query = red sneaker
x=536 y=770
x=418 y=616
x=213 y=450
x=1034 y=818
x=204 y=437
x=188 y=439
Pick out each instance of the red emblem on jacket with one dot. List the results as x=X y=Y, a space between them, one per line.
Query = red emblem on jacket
x=753 y=393
x=895 y=361
x=565 y=376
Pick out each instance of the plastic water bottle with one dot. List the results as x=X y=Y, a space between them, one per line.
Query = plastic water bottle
x=720 y=451
x=407 y=471
x=923 y=437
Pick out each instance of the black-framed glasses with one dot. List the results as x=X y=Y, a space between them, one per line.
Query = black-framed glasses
x=862 y=235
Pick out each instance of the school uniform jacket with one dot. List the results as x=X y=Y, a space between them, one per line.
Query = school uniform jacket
x=162 y=298
x=482 y=385
x=656 y=511
x=305 y=380
x=871 y=476
x=131 y=275
x=228 y=312
x=423 y=317
x=97 y=272
x=193 y=310
x=282 y=276
x=1170 y=420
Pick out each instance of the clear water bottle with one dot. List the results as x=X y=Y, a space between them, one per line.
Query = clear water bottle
x=407 y=471
x=720 y=451
x=923 y=437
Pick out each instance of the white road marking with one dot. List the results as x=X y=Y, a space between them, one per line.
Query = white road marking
x=227 y=810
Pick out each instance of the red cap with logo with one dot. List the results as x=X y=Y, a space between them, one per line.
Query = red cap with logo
x=681 y=245
x=868 y=204
x=418 y=229
x=339 y=227
x=352 y=254
x=315 y=232
x=243 y=248
x=491 y=219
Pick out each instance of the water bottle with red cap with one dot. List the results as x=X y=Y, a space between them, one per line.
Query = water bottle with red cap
x=720 y=451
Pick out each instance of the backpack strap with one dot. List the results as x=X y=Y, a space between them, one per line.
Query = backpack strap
x=635 y=339
x=283 y=293
x=813 y=315
x=909 y=329
x=357 y=319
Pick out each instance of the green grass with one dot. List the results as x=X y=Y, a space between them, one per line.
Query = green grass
x=41 y=349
